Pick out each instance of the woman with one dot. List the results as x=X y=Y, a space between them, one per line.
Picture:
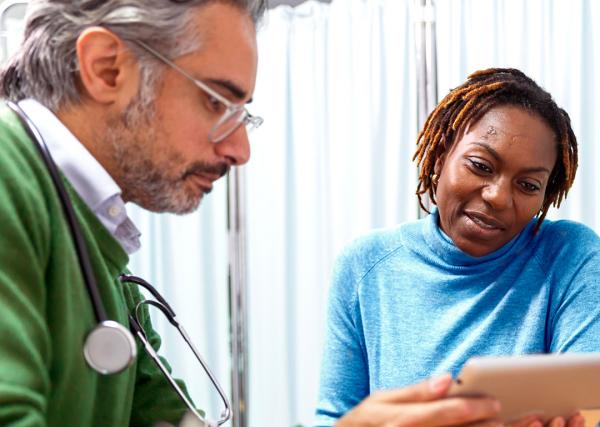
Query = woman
x=483 y=274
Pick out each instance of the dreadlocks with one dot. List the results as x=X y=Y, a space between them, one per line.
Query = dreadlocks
x=466 y=104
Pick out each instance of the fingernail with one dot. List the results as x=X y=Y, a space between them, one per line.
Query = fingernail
x=437 y=384
x=559 y=422
x=497 y=405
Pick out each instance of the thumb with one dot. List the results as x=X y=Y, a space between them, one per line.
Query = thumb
x=431 y=389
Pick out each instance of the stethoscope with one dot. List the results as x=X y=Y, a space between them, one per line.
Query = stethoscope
x=110 y=347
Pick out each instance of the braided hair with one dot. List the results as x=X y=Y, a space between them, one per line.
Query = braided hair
x=469 y=102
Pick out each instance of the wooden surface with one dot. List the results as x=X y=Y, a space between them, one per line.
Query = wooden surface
x=592 y=418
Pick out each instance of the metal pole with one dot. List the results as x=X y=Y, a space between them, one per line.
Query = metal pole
x=426 y=59
x=236 y=192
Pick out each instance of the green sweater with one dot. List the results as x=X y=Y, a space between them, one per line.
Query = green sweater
x=45 y=310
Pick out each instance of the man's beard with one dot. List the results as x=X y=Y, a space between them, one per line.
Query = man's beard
x=152 y=183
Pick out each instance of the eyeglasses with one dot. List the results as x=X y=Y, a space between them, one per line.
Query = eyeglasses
x=235 y=114
x=137 y=328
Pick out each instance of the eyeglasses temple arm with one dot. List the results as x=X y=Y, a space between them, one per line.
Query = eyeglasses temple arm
x=197 y=82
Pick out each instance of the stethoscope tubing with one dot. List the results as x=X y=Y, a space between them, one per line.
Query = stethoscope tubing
x=78 y=240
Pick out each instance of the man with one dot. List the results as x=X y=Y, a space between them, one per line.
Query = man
x=123 y=124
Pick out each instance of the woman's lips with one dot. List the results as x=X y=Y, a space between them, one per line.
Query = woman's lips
x=484 y=225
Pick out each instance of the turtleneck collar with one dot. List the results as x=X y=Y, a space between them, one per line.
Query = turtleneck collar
x=449 y=253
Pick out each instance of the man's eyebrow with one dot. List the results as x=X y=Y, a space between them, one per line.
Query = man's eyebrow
x=237 y=92
x=496 y=156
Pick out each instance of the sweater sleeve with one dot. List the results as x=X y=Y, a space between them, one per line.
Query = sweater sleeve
x=575 y=311
x=24 y=336
x=344 y=369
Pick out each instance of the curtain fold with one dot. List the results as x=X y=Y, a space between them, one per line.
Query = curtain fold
x=332 y=161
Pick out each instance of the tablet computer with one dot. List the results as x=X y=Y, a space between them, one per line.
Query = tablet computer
x=547 y=385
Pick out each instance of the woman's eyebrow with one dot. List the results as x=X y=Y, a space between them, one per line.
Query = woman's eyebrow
x=537 y=169
x=489 y=149
x=498 y=158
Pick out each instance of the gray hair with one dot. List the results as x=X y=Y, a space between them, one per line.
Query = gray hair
x=46 y=66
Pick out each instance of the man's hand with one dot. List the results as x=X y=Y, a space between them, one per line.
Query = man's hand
x=424 y=405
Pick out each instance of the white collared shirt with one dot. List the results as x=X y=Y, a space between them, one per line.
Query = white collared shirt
x=89 y=179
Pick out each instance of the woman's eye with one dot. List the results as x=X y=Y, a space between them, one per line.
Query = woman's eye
x=529 y=187
x=481 y=167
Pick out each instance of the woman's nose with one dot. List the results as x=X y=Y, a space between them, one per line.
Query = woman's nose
x=498 y=194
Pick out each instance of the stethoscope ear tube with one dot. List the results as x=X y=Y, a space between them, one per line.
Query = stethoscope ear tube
x=109 y=347
x=141 y=282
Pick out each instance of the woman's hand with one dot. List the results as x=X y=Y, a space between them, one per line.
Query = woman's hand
x=575 y=420
x=425 y=405
x=421 y=405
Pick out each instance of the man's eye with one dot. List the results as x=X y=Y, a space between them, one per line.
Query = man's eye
x=215 y=105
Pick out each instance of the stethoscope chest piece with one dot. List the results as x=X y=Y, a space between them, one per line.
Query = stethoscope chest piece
x=109 y=348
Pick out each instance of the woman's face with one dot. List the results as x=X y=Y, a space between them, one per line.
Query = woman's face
x=493 y=179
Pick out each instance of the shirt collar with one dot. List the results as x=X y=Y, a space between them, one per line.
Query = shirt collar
x=89 y=179
x=87 y=176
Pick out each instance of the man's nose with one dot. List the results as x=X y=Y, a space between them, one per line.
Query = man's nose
x=235 y=148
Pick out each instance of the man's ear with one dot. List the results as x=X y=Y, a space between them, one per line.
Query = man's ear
x=108 y=70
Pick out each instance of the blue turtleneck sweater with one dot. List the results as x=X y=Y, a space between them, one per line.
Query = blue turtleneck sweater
x=406 y=304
